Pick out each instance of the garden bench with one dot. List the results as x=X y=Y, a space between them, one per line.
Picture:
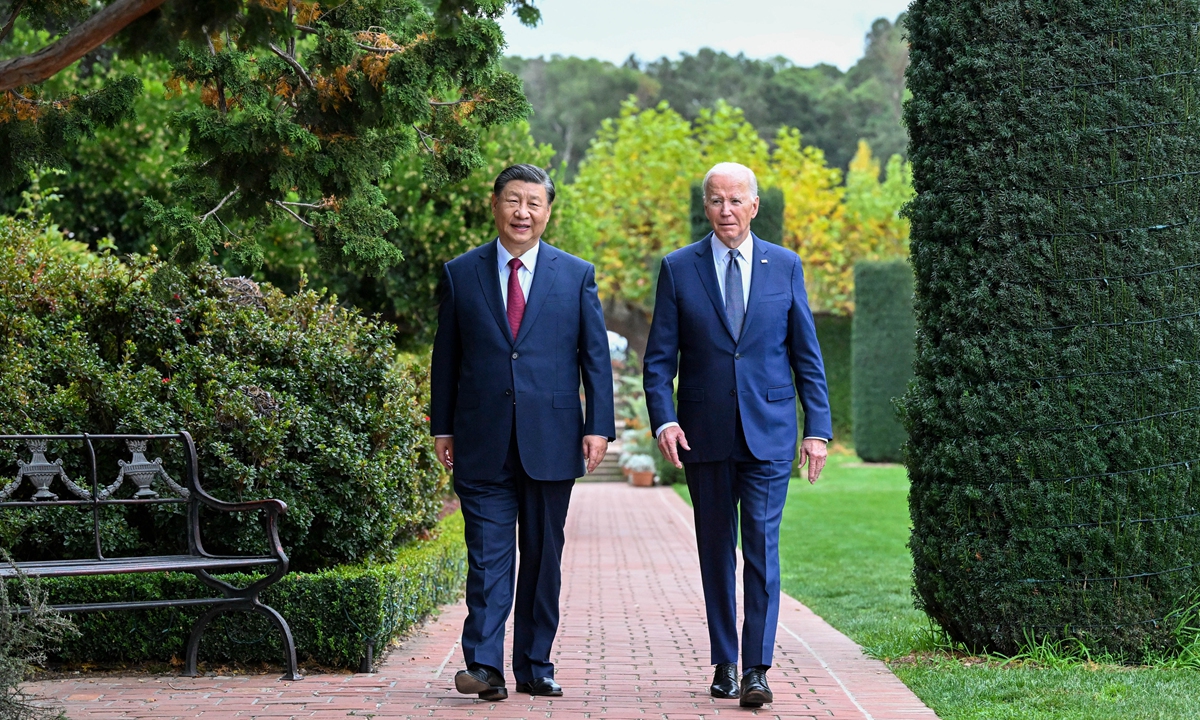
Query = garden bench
x=143 y=476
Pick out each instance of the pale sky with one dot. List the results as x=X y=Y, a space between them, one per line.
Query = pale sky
x=805 y=31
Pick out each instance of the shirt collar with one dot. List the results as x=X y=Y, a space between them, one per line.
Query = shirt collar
x=721 y=250
x=529 y=259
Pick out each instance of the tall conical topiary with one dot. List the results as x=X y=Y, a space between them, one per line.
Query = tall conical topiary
x=1054 y=425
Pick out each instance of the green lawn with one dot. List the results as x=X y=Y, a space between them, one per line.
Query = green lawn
x=843 y=553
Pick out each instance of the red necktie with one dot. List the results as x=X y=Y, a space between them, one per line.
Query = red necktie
x=516 y=299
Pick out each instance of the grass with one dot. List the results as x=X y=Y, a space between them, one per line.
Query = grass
x=843 y=553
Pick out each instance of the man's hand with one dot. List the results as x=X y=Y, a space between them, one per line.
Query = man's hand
x=444 y=446
x=813 y=450
x=594 y=449
x=669 y=442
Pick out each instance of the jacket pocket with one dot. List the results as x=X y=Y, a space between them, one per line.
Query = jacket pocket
x=567 y=400
x=781 y=392
x=691 y=394
x=467 y=400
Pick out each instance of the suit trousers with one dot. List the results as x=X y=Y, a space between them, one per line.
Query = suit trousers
x=755 y=490
x=501 y=514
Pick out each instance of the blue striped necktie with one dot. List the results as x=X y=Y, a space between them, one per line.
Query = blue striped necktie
x=735 y=303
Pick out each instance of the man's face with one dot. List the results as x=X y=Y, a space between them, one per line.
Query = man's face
x=521 y=211
x=730 y=206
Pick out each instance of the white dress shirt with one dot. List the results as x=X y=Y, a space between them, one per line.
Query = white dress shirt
x=721 y=259
x=524 y=275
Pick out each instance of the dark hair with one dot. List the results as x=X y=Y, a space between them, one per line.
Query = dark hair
x=524 y=173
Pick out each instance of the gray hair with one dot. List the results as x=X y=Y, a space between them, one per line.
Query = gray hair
x=731 y=168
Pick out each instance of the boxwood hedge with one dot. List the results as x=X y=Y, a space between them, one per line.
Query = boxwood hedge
x=1054 y=434
x=334 y=614
x=882 y=351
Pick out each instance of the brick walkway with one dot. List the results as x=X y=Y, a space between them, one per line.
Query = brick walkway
x=632 y=644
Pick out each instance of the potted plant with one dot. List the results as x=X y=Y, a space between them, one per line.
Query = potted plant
x=641 y=470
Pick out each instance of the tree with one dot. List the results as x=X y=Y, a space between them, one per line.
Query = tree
x=1052 y=422
x=301 y=108
x=572 y=96
x=436 y=224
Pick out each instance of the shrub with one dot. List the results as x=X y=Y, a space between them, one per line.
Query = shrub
x=289 y=397
x=882 y=351
x=1053 y=422
x=24 y=640
x=334 y=614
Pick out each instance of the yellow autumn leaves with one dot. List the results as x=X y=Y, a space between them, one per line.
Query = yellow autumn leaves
x=630 y=203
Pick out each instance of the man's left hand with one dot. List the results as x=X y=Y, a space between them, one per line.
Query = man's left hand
x=813 y=450
x=594 y=449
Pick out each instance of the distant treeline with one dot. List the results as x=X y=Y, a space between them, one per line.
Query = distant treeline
x=833 y=109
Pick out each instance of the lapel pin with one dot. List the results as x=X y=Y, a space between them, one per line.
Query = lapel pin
x=763 y=261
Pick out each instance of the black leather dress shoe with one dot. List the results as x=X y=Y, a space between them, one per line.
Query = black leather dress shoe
x=725 y=681
x=755 y=690
x=481 y=680
x=541 y=686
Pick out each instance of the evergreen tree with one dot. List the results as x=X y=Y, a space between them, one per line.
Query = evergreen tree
x=1053 y=422
x=301 y=107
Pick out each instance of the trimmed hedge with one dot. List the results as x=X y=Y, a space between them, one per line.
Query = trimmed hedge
x=333 y=613
x=287 y=396
x=1053 y=425
x=768 y=225
x=882 y=350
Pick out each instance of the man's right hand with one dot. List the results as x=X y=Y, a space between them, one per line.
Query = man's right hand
x=669 y=442
x=444 y=446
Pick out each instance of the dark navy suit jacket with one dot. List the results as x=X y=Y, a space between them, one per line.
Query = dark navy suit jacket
x=482 y=377
x=776 y=357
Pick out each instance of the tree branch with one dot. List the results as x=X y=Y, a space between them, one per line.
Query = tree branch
x=85 y=37
x=295 y=65
x=422 y=134
x=219 y=205
x=293 y=214
x=460 y=101
x=216 y=78
x=12 y=20
x=373 y=48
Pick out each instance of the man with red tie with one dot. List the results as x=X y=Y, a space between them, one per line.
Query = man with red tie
x=520 y=329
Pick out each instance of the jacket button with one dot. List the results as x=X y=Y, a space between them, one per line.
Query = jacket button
x=516 y=355
x=508 y=392
x=733 y=393
x=738 y=356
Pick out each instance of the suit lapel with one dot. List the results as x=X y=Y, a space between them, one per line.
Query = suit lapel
x=539 y=290
x=708 y=277
x=489 y=280
x=760 y=270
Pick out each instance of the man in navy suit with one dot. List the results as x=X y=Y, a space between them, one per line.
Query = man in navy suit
x=731 y=317
x=520 y=327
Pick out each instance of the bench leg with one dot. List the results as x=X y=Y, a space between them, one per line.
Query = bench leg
x=289 y=645
x=193 y=646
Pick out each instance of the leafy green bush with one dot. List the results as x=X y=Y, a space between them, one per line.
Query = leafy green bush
x=1053 y=423
x=334 y=614
x=882 y=351
x=290 y=397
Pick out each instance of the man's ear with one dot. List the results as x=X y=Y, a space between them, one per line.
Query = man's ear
x=754 y=213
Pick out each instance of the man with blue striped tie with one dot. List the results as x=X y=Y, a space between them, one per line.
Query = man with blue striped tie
x=731 y=317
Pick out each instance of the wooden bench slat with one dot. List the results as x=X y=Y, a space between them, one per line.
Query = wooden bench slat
x=108 y=566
